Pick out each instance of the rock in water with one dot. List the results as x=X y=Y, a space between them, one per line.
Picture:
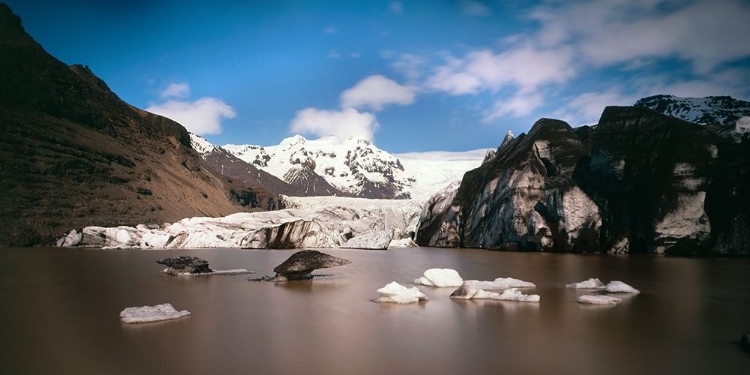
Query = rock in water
x=745 y=342
x=302 y=263
x=185 y=264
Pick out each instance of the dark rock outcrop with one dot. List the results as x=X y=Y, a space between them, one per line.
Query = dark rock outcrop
x=638 y=182
x=745 y=343
x=300 y=265
x=185 y=264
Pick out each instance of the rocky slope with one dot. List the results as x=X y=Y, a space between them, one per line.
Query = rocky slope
x=639 y=181
x=73 y=154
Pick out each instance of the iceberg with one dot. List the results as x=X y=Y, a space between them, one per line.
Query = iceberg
x=394 y=292
x=471 y=289
x=156 y=313
x=620 y=287
x=237 y=271
x=591 y=283
x=600 y=299
x=440 y=277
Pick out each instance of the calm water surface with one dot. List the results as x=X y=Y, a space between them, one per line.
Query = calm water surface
x=60 y=315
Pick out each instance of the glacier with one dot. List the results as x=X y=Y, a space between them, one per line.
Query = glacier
x=310 y=222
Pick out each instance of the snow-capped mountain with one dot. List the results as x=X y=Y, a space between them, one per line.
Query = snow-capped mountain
x=711 y=110
x=357 y=167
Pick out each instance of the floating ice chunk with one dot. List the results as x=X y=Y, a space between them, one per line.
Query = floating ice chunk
x=591 y=283
x=471 y=289
x=440 y=277
x=394 y=292
x=598 y=299
x=151 y=313
x=620 y=287
x=514 y=294
x=237 y=271
x=505 y=283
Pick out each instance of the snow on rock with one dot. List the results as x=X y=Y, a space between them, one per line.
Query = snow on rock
x=376 y=240
x=471 y=289
x=310 y=222
x=440 y=277
x=394 y=292
x=620 y=287
x=599 y=299
x=591 y=283
x=151 y=313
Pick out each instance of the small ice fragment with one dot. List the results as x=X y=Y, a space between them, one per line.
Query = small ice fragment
x=470 y=290
x=620 y=287
x=440 y=277
x=237 y=271
x=394 y=292
x=598 y=299
x=514 y=294
x=151 y=313
x=591 y=283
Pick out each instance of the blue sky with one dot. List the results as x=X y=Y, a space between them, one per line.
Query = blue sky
x=409 y=75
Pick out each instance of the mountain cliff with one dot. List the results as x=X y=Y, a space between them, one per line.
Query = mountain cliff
x=74 y=154
x=638 y=182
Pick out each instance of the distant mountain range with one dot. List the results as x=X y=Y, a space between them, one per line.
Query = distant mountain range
x=347 y=167
x=711 y=110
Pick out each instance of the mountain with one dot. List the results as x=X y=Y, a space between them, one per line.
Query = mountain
x=638 y=182
x=712 y=110
x=356 y=167
x=73 y=154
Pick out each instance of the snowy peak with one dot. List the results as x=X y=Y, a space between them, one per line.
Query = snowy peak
x=354 y=166
x=200 y=144
x=711 y=110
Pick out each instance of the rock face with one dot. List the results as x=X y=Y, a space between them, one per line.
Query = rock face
x=73 y=154
x=185 y=264
x=638 y=182
x=300 y=265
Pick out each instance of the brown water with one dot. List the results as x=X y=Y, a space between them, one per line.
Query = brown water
x=60 y=315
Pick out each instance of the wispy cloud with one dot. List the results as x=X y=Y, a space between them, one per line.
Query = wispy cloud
x=330 y=30
x=474 y=8
x=345 y=123
x=202 y=116
x=376 y=92
x=175 y=90
x=333 y=54
x=396 y=7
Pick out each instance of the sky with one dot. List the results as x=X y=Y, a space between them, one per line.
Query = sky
x=411 y=76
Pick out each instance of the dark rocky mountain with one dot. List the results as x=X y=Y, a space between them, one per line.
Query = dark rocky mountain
x=73 y=154
x=638 y=182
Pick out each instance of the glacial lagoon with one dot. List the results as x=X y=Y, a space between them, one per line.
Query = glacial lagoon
x=60 y=314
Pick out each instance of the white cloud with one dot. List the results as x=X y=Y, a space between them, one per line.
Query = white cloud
x=519 y=105
x=410 y=65
x=706 y=33
x=396 y=7
x=376 y=92
x=333 y=54
x=176 y=90
x=355 y=55
x=202 y=116
x=330 y=30
x=474 y=8
x=525 y=68
x=345 y=123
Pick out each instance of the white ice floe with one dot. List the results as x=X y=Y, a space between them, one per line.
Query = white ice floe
x=620 y=287
x=394 y=292
x=440 y=277
x=503 y=283
x=599 y=299
x=591 y=283
x=151 y=313
x=237 y=271
x=471 y=289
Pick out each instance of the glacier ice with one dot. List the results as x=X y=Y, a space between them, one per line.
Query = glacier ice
x=440 y=277
x=470 y=289
x=620 y=287
x=156 y=313
x=394 y=292
x=592 y=283
x=599 y=299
